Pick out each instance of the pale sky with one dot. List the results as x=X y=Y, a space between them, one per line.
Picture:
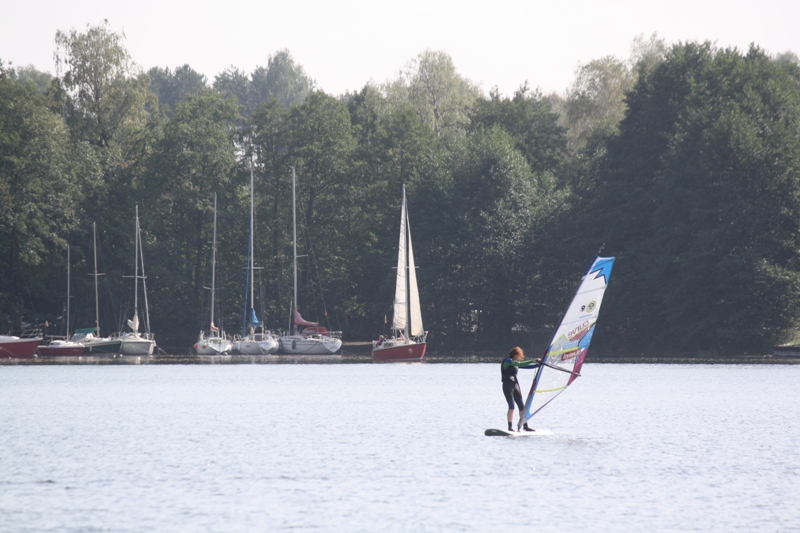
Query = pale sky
x=343 y=44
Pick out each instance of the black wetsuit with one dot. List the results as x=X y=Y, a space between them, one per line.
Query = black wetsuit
x=508 y=369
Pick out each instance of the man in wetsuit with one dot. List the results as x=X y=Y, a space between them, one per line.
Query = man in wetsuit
x=511 y=389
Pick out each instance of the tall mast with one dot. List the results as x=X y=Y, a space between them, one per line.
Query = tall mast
x=294 y=238
x=214 y=259
x=252 y=298
x=405 y=260
x=96 y=297
x=144 y=278
x=136 y=269
x=68 y=274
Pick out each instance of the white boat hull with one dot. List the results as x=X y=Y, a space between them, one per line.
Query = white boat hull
x=137 y=347
x=213 y=346
x=260 y=345
x=321 y=345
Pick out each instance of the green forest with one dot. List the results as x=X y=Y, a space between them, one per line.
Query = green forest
x=682 y=160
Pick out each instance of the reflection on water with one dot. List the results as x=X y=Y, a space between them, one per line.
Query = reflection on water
x=395 y=448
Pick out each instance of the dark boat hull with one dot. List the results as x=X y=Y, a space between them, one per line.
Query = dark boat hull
x=51 y=351
x=18 y=348
x=403 y=353
x=102 y=347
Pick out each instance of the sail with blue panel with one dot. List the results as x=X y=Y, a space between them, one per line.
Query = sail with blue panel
x=564 y=358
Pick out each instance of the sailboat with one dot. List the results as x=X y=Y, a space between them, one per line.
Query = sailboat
x=133 y=342
x=61 y=347
x=312 y=339
x=408 y=341
x=254 y=343
x=92 y=342
x=562 y=362
x=216 y=343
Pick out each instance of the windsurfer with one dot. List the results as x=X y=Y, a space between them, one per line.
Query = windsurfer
x=511 y=389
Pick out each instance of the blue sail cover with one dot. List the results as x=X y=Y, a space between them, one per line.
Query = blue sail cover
x=253 y=318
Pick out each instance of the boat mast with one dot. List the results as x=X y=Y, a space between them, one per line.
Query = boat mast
x=68 y=274
x=405 y=264
x=252 y=284
x=294 y=239
x=213 y=261
x=136 y=271
x=144 y=277
x=96 y=291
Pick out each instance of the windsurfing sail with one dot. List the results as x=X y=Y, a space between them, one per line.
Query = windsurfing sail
x=564 y=358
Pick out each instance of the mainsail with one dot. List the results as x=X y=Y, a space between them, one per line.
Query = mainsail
x=406 y=297
x=564 y=358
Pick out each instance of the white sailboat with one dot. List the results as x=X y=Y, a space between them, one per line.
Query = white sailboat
x=408 y=340
x=92 y=342
x=255 y=342
x=133 y=342
x=313 y=339
x=215 y=343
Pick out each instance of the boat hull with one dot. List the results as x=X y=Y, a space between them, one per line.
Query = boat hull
x=299 y=345
x=403 y=353
x=137 y=347
x=62 y=350
x=13 y=347
x=102 y=347
x=213 y=346
x=251 y=347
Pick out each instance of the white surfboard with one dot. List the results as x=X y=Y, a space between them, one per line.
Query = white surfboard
x=505 y=433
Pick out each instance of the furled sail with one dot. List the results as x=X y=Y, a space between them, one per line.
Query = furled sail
x=400 y=296
x=134 y=324
x=564 y=358
x=254 y=322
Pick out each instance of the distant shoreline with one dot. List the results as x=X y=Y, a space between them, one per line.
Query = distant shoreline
x=350 y=357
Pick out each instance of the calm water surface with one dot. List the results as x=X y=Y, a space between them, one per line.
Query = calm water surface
x=395 y=448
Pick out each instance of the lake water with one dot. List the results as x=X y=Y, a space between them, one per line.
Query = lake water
x=395 y=448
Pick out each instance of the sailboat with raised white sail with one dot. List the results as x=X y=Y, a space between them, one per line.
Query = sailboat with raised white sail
x=134 y=342
x=254 y=342
x=216 y=343
x=562 y=362
x=306 y=337
x=408 y=340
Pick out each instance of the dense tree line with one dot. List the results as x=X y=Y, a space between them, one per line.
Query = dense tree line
x=683 y=160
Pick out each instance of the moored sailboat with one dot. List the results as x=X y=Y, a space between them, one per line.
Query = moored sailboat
x=15 y=347
x=93 y=342
x=407 y=343
x=62 y=347
x=133 y=342
x=254 y=342
x=215 y=343
x=308 y=338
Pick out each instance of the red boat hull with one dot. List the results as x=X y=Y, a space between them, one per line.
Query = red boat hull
x=18 y=348
x=59 y=350
x=404 y=353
